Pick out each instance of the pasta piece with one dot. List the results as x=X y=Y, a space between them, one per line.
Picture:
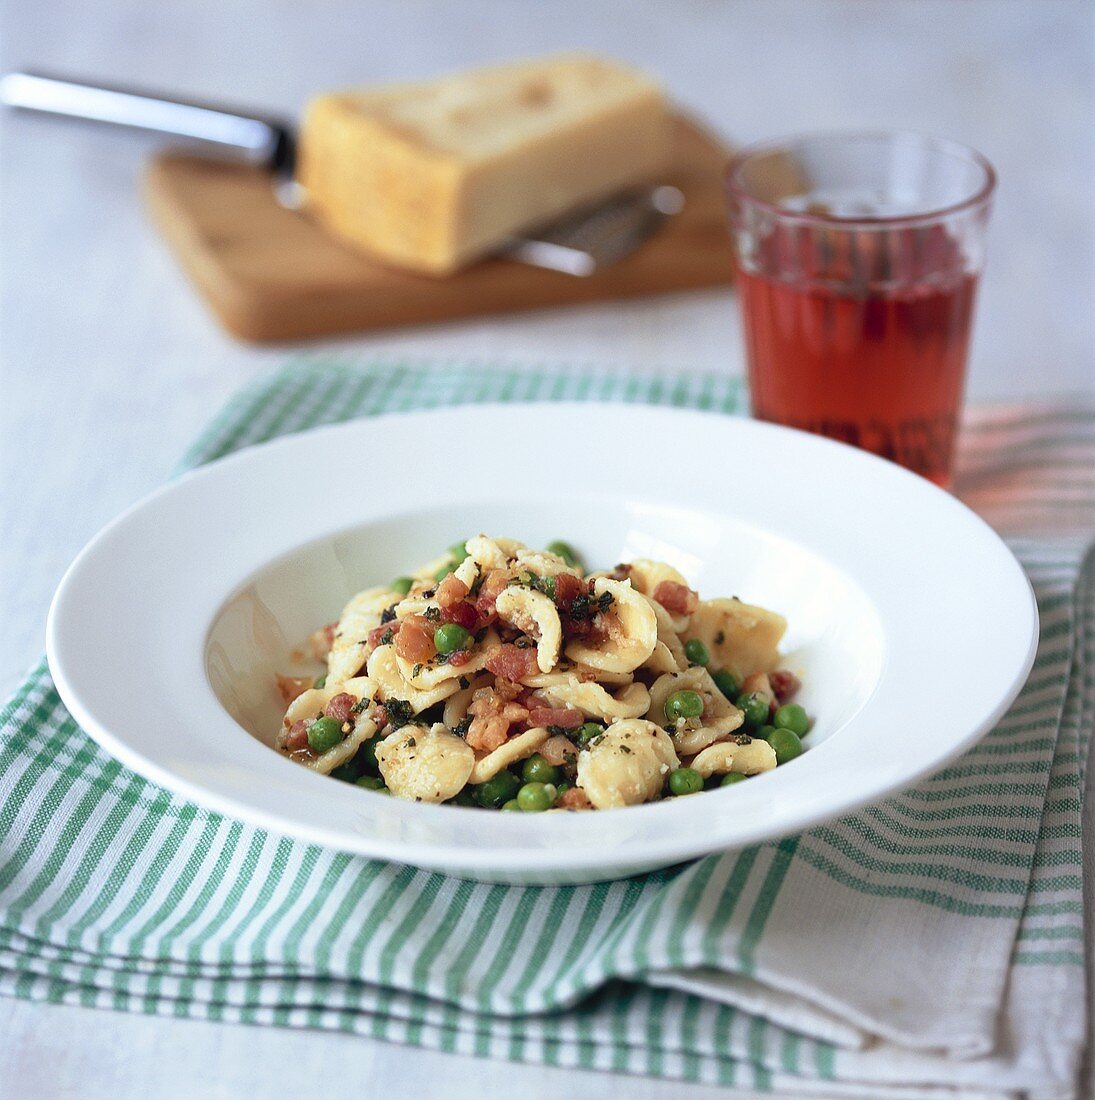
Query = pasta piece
x=491 y=554
x=350 y=646
x=534 y=614
x=728 y=756
x=543 y=563
x=668 y=655
x=720 y=716
x=627 y=765
x=516 y=748
x=425 y=765
x=428 y=676
x=309 y=704
x=630 y=631
x=739 y=636
x=565 y=689
x=384 y=669
x=646 y=575
x=456 y=706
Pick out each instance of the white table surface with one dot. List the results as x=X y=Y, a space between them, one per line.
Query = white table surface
x=109 y=364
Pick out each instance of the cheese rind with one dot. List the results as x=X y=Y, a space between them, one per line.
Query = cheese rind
x=434 y=175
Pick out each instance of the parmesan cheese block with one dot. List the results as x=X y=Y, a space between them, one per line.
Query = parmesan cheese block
x=434 y=175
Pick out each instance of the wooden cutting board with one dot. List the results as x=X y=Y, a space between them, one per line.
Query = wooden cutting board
x=271 y=274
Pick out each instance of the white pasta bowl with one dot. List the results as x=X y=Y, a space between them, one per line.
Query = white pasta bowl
x=910 y=623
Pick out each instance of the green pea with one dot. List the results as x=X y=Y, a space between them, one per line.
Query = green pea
x=320 y=681
x=449 y=637
x=696 y=652
x=786 y=743
x=685 y=781
x=459 y=551
x=466 y=797
x=402 y=585
x=538 y=770
x=371 y=783
x=366 y=755
x=763 y=732
x=442 y=573
x=586 y=733
x=565 y=551
x=534 y=798
x=349 y=772
x=684 y=704
x=792 y=717
x=727 y=683
x=512 y=804
x=497 y=790
x=324 y=733
x=730 y=778
x=755 y=706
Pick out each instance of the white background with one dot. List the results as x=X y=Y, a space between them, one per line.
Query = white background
x=110 y=364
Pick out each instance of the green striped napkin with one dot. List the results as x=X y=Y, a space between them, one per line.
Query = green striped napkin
x=928 y=945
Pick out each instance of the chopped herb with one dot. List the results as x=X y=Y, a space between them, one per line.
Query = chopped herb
x=387 y=636
x=481 y=635
x=524 y=642
x=560 y=731
x=399 y=712
x=359 y=706
x=624 y=748
x=588 y=607
x=720 y=637
x=743 y=739
x=387 y=615
x=464 y=682
x=410 y=743
x=415 y=671
x=461 y=728
x=433 y=614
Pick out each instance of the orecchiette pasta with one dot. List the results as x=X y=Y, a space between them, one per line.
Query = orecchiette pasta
x=630 y=630
x=719 y=717
x=504 y=676
x=628 y=764
x=739 y=636
x=425 y=765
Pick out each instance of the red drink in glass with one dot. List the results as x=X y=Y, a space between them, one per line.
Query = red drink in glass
x=857 y=276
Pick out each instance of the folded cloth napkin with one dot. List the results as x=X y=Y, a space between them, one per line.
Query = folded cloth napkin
x=929 y=945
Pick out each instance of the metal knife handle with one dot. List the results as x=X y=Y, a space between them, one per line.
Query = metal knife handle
x=254 y=139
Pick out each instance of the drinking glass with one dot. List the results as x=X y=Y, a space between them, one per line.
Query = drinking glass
x=858 y=257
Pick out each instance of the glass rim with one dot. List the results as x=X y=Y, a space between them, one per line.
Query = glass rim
x=980 y=197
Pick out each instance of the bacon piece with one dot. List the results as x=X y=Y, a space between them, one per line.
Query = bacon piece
x=320 y=641
x=462 y=613
x=492 y=716
x=677 y=599
x=567 y=589
x=459 y=658
x=378 y=632
x=297 y=738
x=289 y=687
x=574 y=799
x=492 y=587
x=566 y=717
x=414 y=642
x=340 y=706
x=784 y=684
x=560 y=751
x=451 y=591
x=512 y=662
